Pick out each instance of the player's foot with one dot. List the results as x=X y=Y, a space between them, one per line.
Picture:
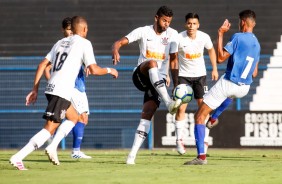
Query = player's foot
x=211 y=123
x=196 y=161
x=174 y=106
x=130 y=160
x=17 y=163
x=52 y=155
x=180 y=147
x=79 y=154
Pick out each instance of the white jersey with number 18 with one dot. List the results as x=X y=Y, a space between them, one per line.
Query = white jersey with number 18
x=67 y=56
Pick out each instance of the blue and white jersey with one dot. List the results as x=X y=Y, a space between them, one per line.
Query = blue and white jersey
x=80 y=81
x=244 y=50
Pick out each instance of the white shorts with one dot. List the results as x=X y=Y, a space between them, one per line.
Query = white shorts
x=221 y=90
x=79 y=101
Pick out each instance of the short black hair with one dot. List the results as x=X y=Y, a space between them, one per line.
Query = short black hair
x=66 y=22
x=164 y=11
x=192 y=16
x=243 y=15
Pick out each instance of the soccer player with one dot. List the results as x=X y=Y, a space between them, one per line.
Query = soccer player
x=158 y=49
x=67 y=56
x=243 y=53
x=192 y=70
x=79 y=99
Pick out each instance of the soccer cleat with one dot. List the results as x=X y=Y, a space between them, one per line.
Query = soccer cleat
x=196 y=161
x=174 y=106
x=18 y=164
x=211 y=123
x=130 y=160
x=80 y=154
x=52 y=155
x=180 y=147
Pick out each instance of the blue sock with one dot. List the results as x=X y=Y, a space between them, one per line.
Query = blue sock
x=78 y=131
x=221 y=108
x=199 y=132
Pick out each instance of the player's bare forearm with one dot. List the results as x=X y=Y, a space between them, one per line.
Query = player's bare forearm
x=212 y=56
x=174 y=68
x=115 y=49
x=39 y=72
x=221 y=53
x=94 y=69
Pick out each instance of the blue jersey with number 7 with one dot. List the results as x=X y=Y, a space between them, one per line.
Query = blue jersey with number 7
x=244 y=50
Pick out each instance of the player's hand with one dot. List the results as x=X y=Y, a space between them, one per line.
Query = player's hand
x=114 y=73
x=214 y=75
x=224 y=27
x=115 y=57
x=167 y=81
x=87 y=72
x=31 y=98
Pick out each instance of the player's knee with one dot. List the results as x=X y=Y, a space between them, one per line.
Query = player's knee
x=83 y=118
x=199 y=119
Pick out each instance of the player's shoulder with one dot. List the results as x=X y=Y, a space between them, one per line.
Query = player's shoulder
x=202 y=34
x=183 y=33
x=171 y=30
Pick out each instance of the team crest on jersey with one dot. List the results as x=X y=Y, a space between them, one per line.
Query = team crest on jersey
x=164 y=41
x=63 y=114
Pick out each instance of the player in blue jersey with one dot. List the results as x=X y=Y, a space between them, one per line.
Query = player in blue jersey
x=79 y=100
x=243 y=52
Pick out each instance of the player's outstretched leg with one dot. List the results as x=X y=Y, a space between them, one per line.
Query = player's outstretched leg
x=34 y=143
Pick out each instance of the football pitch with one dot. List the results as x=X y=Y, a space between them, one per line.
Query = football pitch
x=225 y=166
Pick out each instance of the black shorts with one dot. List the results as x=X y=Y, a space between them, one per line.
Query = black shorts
x=198 y=84
x=143 y=83
x=56 y=109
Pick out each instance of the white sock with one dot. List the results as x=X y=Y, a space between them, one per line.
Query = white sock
x=62 y=132
x=179 y=129
x=140 y=135
x=159 y=85
x=34 y=143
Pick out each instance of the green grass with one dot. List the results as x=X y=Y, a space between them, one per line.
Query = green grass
x=225 y=166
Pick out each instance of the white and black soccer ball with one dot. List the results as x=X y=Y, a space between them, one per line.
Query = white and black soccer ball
x=183 y=92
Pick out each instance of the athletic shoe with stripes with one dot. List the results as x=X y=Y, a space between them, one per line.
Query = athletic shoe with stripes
x=80 y=154
x=197 y=161
x=180 y=147
x=18 y=164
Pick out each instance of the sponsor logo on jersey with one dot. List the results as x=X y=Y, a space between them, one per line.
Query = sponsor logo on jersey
x=50 y=87
x=193 y=56
x=155 y=55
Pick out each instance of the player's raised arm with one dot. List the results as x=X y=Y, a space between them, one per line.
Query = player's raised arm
x=222 y=54
x=115 y=49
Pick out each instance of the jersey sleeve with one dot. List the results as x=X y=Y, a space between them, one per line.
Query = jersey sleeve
x=48 y=56
x=135 y=35
x=88 y=54
x=229 y=47
x=208 y=44
x=174 y=42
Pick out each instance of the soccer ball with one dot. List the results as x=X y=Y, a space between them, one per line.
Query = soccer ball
x=183 y=92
